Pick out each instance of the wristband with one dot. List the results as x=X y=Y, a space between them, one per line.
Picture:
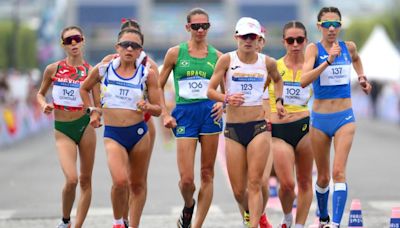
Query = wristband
x=279 y=99
x=90 y=110
x=329 y=63
x=362 y=76
x=225 y=101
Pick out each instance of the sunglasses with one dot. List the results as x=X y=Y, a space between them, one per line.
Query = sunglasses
x=250 y=36
x=328 y=24
x=133 y=45
x=68 y=40
x=299 y=40
x=197 y=26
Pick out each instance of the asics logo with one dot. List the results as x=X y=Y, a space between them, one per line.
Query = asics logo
x=235 y=67
x=349 y=117
x=324 y=57
x=304 y=127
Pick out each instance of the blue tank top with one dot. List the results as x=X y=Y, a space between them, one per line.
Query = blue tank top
x=334 y=81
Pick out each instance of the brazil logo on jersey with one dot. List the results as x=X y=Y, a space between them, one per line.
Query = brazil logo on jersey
x=180 y=130
x=184 y=63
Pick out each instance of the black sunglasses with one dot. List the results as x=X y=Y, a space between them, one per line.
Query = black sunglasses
x=197 y=26
x=133 y=45
x=250 y=36
x=299 y=40
x=68 y=40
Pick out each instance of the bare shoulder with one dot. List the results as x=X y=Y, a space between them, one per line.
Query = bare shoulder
x=51 y=68
x=351 y=46
x=153 y=64
x=108 y=58
x=270 y=61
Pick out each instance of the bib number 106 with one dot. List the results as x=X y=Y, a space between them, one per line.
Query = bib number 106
x=195 y=85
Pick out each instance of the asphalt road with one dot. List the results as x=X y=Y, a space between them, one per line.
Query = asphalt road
x=31 y=182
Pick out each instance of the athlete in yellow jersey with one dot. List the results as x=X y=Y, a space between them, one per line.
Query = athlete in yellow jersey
x=291 y=144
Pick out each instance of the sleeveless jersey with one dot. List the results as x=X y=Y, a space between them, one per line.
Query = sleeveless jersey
x=192 y=75
x=334 y=81
x=66 y=84
x=119 y=92
x=295 y=97
x=248 y=79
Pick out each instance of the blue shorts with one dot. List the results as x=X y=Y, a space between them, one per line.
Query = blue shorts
x=329 y=123
x=126 y=136
x=194 y=119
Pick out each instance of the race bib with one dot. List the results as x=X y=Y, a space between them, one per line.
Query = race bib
x=335 y=75
x=67 y=94
x=193 y=87
x=294 y=94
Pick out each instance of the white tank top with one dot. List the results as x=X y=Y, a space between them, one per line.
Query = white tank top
x=119 y=92
x=248 y=79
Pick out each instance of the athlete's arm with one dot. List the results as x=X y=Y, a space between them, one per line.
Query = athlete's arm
x=358 y=67
x=222 y=84
x=153 y=106
x=278 y=83
x=221 y=67
x=44 y=87
x=169 y=63
x=309 y=74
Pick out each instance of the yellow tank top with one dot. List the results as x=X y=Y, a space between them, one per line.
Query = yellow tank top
x=295 y=97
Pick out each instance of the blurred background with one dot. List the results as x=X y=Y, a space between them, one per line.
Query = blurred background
x=30 y=39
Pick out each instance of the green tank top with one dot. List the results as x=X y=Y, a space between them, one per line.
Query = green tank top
x=192 y=75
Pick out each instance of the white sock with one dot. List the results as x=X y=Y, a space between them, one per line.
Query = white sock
x=299 y=226
x=119 y=221
x=288 y=219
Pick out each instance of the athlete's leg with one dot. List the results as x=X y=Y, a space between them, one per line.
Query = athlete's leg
x=186 y=148
x=209 y=147
x=304 y=164
x=139 y=159
x=67 y=155
x=236 y=163
x=87 y=148
x=257 y=154
x=152 y=133
x=117 y=159
x=266 y=175
x=342 y=144
x=321 y=143
x=284 y=161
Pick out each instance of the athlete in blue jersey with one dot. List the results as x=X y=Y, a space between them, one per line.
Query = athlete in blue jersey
x=328 y=65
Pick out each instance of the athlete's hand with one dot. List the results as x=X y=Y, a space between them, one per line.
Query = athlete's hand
x=169 y=121
x=217 y=111
x=364 y=83
x=95 y=120
x=280 y=110
x=143 y=106
x=47 y=108
x=235 y=99
x=334 y=52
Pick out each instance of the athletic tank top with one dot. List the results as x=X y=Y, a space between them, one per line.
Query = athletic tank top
x=192 y=75
x=119 y=92
x=295 y=97
x=334 y=81
x=248 y=79
x=66 y=84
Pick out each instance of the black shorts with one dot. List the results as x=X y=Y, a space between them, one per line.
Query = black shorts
x=243 y=133
x=291 y=132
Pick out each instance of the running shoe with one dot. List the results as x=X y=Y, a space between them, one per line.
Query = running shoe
x=264 y=223
x=119 y=226
x=285 y=224
x=246 y=219
x=64 y=225
x=185 y=220
x=324 y=223
x=126 y=223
